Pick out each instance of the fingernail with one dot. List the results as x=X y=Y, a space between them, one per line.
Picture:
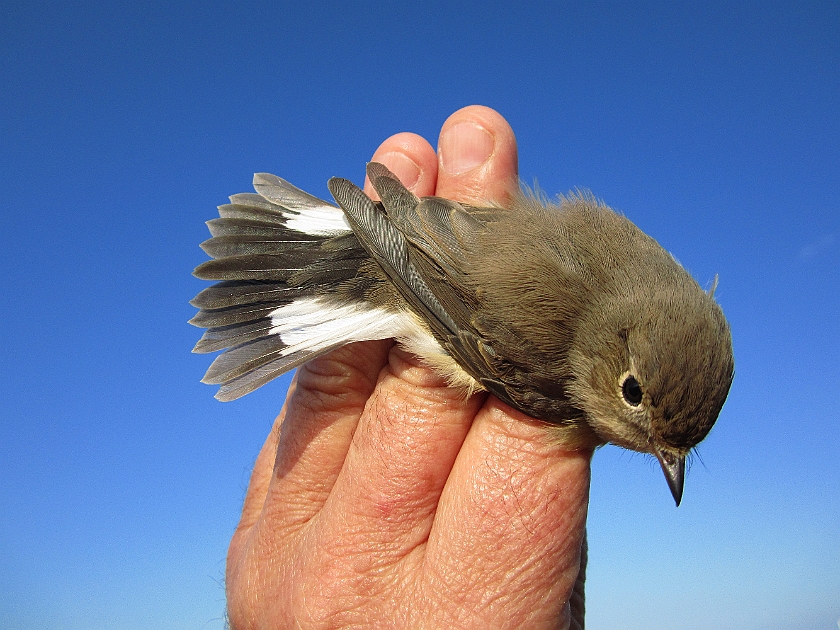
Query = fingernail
x=402 y=166
x=464 y=147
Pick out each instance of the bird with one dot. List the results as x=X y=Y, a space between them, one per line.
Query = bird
x=565 y=310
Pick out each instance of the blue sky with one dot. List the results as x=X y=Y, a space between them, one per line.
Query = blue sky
x=714 y=126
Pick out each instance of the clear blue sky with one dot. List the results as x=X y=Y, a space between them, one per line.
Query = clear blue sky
x=714 y=126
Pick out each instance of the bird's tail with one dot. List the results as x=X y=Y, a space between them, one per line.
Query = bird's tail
x=278 y=256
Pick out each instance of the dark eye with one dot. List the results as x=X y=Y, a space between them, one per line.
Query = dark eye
x=632 y=391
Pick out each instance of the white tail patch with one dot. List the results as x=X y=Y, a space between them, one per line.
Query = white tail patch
x=324 y=221
x=312 y=324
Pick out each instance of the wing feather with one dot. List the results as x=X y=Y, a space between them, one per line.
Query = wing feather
x=386 y=244
x=438 y=234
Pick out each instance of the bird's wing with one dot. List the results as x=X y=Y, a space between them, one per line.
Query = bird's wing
x=420 y=243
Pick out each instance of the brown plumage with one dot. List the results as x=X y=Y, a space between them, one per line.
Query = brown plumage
x=566 y=311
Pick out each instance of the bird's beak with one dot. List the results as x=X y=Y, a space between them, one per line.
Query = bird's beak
x=674 y=468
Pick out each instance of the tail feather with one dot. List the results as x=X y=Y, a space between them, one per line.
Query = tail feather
x=222 y=337
x=279 y=255
x=250 y=267
x=249 y=244
x=236 y=292
x=233 y=315
x=267 y=214
x=280 y=192
x=238 y=387
x=242 y=359
x=306 y=213
x=253 y=227
x=256 y=201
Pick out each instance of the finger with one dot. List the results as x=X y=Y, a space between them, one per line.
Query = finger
x=254 y=497
x=477 y=157
x=402 y=453
x=262 y=472
x=315 y=432
x=311 y=438
x=241 y=548
x=322 y=415
x=412 y=159
x=510 y=521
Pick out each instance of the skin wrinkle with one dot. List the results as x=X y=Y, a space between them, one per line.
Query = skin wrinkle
x=410 y=369
x=329 y=382
x=368 y=585
x=306 y=449
x=428 y=416
x=496 y=600
x=297 y=511
x=518 y=520
x=253 y=575
x=400 y=544
x=438 y=597
x=328 y=601
x=328 y=394
x=256 y=579
x=405 y=490
x=247 y=539
x=478 y=598
x=514 y=513
x=516 y=592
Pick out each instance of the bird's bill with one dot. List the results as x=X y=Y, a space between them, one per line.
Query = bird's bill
x=674 y=468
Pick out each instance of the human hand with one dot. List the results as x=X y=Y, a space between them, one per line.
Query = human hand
x=383 y=498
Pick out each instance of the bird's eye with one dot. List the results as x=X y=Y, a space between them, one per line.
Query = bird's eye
x=632 y=391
